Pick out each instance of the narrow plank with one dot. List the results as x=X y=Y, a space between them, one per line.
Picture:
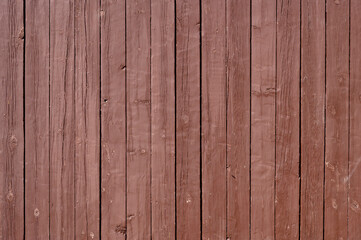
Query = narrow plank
x=11 y=123
x=337 y=118
x=238 y=118
x=312 y=118
x=354 y=221
x=138 y=120
x=87 y=118
x=188 y=119
x=287 y=120
x=37 y=120
x=62 y=122
x=163 y=119
x=113 y=122
x=213 y=119
x=263 y=89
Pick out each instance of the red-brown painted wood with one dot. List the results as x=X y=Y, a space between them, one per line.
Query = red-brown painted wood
x=138 y=120
x=37 y=120
x=87 y=119
x=163 y=119
x=263 y=118
x=287 y=121
x=188 y=159
x=113 y=114
x=11 y=121
x=238 y=118
x=214 y=120
x=337 y=120
x=62 y=120
x=354 y=177
x=312 y=118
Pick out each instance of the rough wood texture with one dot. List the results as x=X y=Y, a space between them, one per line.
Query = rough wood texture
x=87 y=131
x=62 y=120
x=312 y=118
x=138 y=120
x=337 y=119
x=263 y=118
x=163 y=119
x=238 y=118
x=188 y=119
x=11 y=121
x=113 y=114
x=213 y=119
x=287 y=120
x=354 y=178
x=37 y=120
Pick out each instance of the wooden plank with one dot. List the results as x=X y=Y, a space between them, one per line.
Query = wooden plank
x=37 y=120
x=11 y=123
x=62 y=122
x=312 y=118
x=337 y=118
x=163 y=119
x=354 y=210
x=188 y=119
x=138 y=120
x=287 y=186
x=238 y=118
x=87 y=132
x=113 y=90
x=213 y=119
x=263 y=89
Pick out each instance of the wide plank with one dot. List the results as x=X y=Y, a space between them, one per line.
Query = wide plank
x=11 y=121
x=337 y=120
x=238 y=118
x=163 y=119
x=113 y=120
x=37 y=120
x=188 y=120
x=214 y=91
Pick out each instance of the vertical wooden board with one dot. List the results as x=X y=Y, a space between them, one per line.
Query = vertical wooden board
x=163 y=119
x=62 y=119
x=138 y=119
x=87 y=119
x=263 y=90
x=287 y=120
x=337 y=117
x=188 y=119
x=238 y=118
x=213 y=119
x=37 y=120
x=113 y=114
x=312 y=118
x=11 y=121
x=354 y=210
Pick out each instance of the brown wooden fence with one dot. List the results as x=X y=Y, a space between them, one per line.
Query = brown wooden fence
x=180 y=119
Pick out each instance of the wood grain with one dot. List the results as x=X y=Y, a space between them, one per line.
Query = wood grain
x=287 y=120
x=213 y=119
x=337 y=119
x=37 y=120
x=113 y=122
x=354 y=178
x=138 y=120
x=87 y=131
x=163 y=119
x=188 y=119
x=263 y=118
x=312 y=118
x=62 y=120
x=11 y=122
x=238 y=118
